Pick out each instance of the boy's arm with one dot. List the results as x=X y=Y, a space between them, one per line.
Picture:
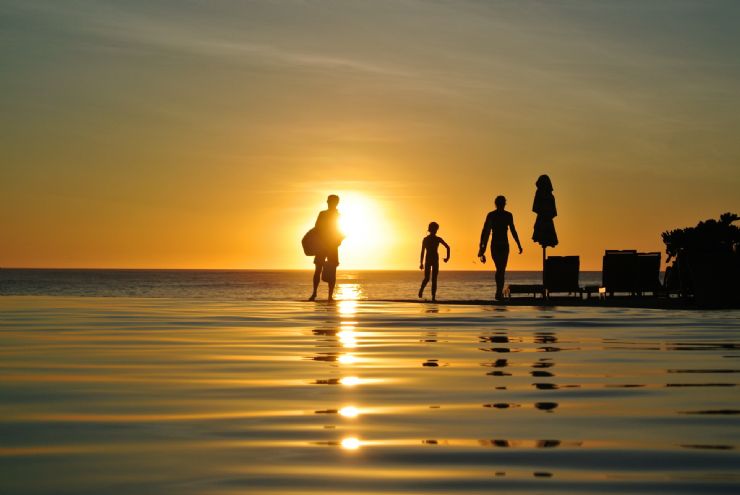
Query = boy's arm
x=514 y=234
x=442 y=241
x=421 y=256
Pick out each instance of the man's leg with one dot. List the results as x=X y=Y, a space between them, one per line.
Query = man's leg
x=330 y=275
x=330 y=271
x=316 y=280
x=319 y=262
x=500 y=255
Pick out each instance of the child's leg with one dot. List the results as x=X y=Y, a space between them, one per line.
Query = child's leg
x=426 y=279
x=435 y=272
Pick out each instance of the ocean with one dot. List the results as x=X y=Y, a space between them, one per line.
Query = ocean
x=262 y=285
x=224 y=382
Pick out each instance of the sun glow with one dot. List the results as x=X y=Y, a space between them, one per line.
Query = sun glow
x=367 y=232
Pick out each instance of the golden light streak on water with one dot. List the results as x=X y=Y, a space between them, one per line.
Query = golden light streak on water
x=350 y=381
x=351 y=443
x=347 y=307
x=347 y=359
x=349 y=412
x=347 y=338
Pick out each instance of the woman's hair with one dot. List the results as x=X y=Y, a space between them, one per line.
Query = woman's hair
x=500 y=201
x=433 y=227
x=544 y=182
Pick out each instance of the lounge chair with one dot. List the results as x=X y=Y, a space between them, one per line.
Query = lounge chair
x=620 y=270
x=527 y=289
x=561 y=274
x=648 y=276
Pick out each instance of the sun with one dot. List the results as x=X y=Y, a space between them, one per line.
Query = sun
x=367 y=233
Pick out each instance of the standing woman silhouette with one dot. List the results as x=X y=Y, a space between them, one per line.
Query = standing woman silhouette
x=544 y=228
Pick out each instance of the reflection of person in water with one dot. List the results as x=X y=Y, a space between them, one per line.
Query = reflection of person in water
x=497 y=225
x=327 y=226
x=430 y=245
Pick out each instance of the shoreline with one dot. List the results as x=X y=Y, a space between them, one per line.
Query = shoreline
x=611 y=302
x=553 y=302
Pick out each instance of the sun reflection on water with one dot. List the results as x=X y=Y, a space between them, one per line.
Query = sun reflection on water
x=347 y=338
x=349 y=412
x=347 y=307
x=351 y=443
x=347 y=359
x=350 y=381
x=347 y=297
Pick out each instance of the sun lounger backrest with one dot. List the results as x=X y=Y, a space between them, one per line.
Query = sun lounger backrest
x=561 y=273
x=648 y=272
x=619 y=270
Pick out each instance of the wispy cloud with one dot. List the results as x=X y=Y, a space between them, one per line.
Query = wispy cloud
x=118 y=24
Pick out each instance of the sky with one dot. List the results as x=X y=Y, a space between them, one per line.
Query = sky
x=207 y=134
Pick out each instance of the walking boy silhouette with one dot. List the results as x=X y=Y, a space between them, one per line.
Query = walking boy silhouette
x=430 y=245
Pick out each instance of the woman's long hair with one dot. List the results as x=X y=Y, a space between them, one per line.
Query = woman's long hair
x=544 y=183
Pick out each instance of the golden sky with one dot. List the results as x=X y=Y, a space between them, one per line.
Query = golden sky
x=190 y=134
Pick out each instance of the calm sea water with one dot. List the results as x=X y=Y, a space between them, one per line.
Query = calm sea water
x=225 y=395
x=254 y=285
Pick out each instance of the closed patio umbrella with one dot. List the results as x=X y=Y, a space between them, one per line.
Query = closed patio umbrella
x=544 y=227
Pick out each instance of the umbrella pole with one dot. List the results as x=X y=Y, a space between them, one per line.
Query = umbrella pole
x=544 y=249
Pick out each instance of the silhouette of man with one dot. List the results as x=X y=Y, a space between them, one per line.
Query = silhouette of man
x=327 y=225
x=497 y=225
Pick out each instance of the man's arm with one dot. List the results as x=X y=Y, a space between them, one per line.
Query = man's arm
x=485 y=233
x=421 y=256
x=442 y=241
x=514 y=234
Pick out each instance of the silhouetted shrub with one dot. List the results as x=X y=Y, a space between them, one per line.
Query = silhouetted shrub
x=708 y=236
x=707 y=261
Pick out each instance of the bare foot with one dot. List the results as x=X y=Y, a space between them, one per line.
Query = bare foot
x=313 y=297
x=421 y=293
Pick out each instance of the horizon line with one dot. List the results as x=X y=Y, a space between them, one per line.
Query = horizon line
x=254 y=269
